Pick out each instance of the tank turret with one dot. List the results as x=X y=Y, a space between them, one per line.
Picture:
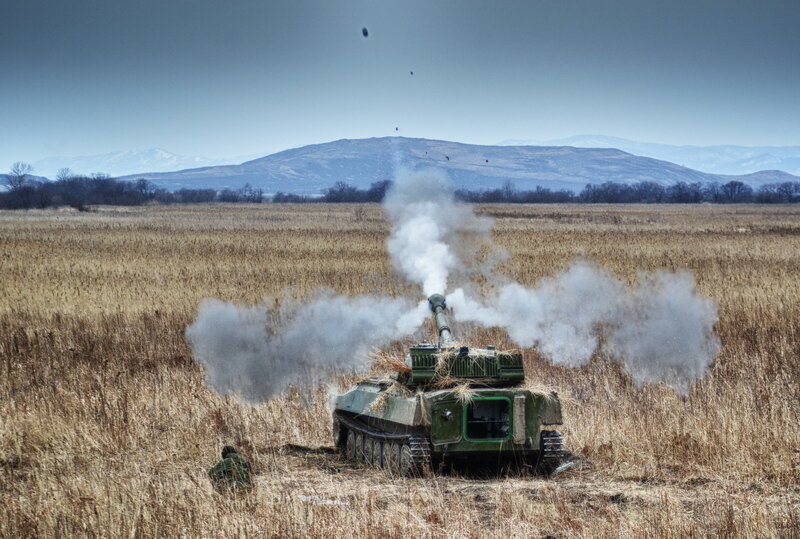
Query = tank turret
x=448 y=361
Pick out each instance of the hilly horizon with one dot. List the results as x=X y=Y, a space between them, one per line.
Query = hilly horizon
x=726 y=159
x=359 y=162
x=716 y=159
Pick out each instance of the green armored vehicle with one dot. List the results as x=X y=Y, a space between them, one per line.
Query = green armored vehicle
x=449 y=403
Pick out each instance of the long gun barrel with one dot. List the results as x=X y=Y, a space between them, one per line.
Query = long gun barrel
x=437 y=304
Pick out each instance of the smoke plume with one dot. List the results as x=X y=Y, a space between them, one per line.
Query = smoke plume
x=428 y=227
x=660 y=330
x=256 y=352
x=665 y=331
x=559 y=316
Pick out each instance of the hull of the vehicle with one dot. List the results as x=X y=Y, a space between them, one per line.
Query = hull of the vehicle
x=481 y=423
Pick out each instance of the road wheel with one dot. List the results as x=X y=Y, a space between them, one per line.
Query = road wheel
x=377 y=453
x=338 y=434
x=368 y=443
x=350 y=446
x=405 y=465
x=359 y=448
x=386 y=458
x=394 y=458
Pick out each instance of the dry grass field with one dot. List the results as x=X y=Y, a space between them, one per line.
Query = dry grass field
x=106 y=426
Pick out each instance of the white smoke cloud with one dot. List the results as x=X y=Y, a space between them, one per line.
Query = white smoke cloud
x=428 y=226
x=257 y=352
x=666 y=331
x=660 y=331
x=559 y=316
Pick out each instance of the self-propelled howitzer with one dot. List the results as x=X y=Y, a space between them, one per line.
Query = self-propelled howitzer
x=449 y=402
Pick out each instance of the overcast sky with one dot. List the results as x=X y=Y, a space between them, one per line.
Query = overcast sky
x=214 y=78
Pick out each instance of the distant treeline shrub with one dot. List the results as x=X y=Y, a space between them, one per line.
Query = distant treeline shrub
x=643 y=193
x=340 y=192
x=290 y=198
x=82 y=192
x=608 y=192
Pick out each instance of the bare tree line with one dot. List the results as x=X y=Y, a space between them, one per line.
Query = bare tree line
x=23 y=191
x=732 y=192
x=80 y=191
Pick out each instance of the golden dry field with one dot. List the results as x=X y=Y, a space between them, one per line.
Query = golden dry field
x=107 y=429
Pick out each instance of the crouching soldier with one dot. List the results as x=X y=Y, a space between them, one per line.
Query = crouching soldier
x=232 y=472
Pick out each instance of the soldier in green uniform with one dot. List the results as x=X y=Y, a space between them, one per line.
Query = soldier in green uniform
x=232 y=472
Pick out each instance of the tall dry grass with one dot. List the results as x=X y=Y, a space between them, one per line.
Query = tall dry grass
x=106 y=427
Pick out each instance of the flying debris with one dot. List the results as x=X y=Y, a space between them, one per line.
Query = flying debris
x=365 y=32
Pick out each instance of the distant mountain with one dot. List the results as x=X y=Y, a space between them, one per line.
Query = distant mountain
x=123 y=163
x=761 y=177
x=712 y=159
x=311 y=169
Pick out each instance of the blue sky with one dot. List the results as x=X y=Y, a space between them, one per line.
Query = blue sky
x=243 y=77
